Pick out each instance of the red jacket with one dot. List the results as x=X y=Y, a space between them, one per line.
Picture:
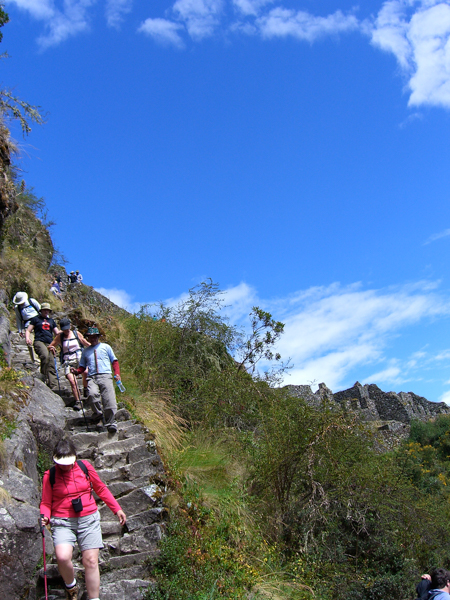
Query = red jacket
x=57 y=501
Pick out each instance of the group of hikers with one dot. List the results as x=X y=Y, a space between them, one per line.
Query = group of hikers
x=79 y=356
x=57 y=284
x=68 y=505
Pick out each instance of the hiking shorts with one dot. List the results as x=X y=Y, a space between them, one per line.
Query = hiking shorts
x=84 y=530
x=68 y=364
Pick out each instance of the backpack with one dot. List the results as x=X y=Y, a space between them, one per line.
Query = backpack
x=82 y=466
x=32 y=304
x=61 y=354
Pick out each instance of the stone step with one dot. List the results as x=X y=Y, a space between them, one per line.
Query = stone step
x=129 y=589
x=128 y=560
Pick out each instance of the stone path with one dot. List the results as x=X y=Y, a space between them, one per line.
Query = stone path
x=129 y=463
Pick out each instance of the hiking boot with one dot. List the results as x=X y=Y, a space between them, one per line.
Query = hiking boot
x=112 y=428
x=85 y=393
x=72 y=593
x=77 y=405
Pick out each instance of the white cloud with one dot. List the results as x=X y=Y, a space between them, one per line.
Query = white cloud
x=437 y=236
x=417 y=32
x=283 y=22
x=115 y=11
x=445 y=398
x=332 y=330
x=39 y=9
x=163 y=31
x=251 y=7
x=329 y=331
x=388 y=375
x=60 y=24
x=121 y=298
x=201 y=17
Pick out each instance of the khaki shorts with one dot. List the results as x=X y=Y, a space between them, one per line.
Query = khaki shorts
x=68 y=364
x=84 y=530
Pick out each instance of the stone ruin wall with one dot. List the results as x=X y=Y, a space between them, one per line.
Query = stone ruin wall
x=372 y=403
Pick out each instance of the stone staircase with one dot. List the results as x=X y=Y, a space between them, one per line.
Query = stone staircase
x=129 y=463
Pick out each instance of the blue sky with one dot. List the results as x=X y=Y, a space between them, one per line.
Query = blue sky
x=295 y=152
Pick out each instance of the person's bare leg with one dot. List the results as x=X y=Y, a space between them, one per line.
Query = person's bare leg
x=92 y=573
x=64 y=557
x=73 y=385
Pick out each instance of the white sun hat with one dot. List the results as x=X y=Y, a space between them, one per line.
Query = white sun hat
x=20 y=298
x=65 y=460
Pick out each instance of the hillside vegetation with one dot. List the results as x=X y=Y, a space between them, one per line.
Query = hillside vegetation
x=269 y=497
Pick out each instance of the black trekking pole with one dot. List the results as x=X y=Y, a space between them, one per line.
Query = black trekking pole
x=81 y=402
x=57 y=374
x=42 y=528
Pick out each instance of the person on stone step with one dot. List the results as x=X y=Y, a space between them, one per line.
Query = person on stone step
x=69 y=506
x=44 y=328
x=72 y=344
x=97 y=359
x=25 y=309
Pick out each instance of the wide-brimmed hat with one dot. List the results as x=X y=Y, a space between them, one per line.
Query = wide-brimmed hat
x=46 y=306
x=20 y=298
x=93 y=331
x=64 y=324
x=65 y=460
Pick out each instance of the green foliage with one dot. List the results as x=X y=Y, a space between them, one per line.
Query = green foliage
x=12 y=107
x=4 y=18
x=187 y=349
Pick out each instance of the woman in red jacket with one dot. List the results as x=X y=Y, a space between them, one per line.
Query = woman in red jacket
x=69 y=506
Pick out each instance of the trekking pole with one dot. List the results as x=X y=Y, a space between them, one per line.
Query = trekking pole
x=82 y=405
x=42 y=529
x=57 y=374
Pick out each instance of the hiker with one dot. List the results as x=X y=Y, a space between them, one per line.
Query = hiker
x=25 y=310
x=97 y=360
x=56 y=290
x=79 y=277
x=69 y=506
x=72 y=278
x=72 y=343
x=44 y=327
x=440 y=585
x=423 y=587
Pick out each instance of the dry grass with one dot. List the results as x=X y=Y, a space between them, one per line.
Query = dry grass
x=20 y=273
x=272 y=587
x=4 y=497
x=155 y=411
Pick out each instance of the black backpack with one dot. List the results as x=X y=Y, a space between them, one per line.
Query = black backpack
x=82 y=466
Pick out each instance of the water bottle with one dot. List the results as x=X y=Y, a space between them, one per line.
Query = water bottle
x=120 y=386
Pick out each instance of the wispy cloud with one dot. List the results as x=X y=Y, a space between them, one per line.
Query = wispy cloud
x=120 y=297
x=59 y=24
x=417 y=32
x=115 y=11
x=201 y=17
x=251 y=7
x=332 y=330
x=283 y=22
x=437 y=236
x=163 y=31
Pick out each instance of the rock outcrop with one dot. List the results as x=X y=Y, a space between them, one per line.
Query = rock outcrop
x=372 y=403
